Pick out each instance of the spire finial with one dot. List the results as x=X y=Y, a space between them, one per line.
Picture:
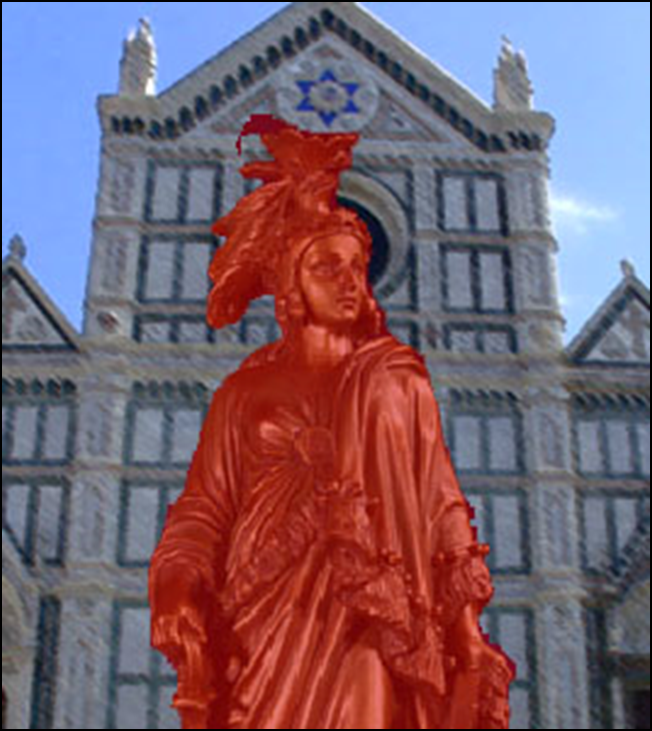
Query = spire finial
x=17 y=248
x=512 y=86
x=628 y=268
x=139 y=62
x=508 y=47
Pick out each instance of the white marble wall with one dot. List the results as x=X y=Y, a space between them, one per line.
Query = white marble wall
x=455 y=203
x=134 y=657
x=24 y=434
x=166 y=190
x=117 y=236
x=115 y=264
x=493 y=294
x=562 y=671
x=194 y=279
x=425 y=197
x=528 y=196
x=26 y=444
x=536 y=276
x=643 y=436
x=467 y=432
x=502 y=444
x=142 y=520
x=497 y=343
x=487 y=206
x=556 y=533
x=186 y=425
x=201 y=194
x=624 y=440
x=507 y=545
x=460 y=293
x=591 y=456
x=122 y=185
x=83 y=662
x=57 y=432
x=473 y=432
x=456 y=191
x=514 y=640
x=149 y=428
x=596 y=529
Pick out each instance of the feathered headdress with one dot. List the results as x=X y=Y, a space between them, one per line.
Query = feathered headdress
x=296 y=203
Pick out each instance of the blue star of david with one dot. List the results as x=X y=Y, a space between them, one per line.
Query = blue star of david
x=330 y=115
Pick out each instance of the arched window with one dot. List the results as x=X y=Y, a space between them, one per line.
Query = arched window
x=381 y=253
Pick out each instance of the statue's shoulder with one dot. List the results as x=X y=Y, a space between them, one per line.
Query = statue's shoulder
x=386 y=354
x=386 y=371
x=382 y=357
x=256 y=370
x=263 y=357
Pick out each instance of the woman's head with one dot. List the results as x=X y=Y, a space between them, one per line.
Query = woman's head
x=325 y=279
x=268 y=231
x=332 y=277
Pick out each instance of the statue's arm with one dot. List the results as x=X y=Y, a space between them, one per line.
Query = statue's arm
x=463 y=582
x=186 y=569
x=197 y=526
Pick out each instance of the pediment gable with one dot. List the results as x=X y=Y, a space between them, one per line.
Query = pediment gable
x=30 y=320
x=325 y=90
x=619 y=333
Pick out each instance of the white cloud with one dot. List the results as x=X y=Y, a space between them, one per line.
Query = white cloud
x=576 y=216
x=567 y=300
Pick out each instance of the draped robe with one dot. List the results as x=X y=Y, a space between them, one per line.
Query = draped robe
x=330 y=602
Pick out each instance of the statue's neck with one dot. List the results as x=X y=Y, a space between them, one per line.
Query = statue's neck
x=317 y=347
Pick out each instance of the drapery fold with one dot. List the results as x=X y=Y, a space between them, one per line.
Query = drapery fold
x=313 y=577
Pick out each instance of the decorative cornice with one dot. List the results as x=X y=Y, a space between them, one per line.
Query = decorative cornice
x=218 y=96
x=53 y=388
x=171 y=392
x=483 y=397
x=597 y=400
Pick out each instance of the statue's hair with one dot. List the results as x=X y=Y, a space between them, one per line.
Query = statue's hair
x=270 y=229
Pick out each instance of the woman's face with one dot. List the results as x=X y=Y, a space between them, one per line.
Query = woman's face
x=333 y=279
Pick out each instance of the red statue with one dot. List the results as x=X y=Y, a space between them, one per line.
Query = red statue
x=320 y=570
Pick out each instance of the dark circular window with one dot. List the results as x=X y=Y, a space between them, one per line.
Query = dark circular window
x=380 y=253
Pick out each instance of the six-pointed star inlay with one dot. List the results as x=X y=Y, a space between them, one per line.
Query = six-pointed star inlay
x=329 y=97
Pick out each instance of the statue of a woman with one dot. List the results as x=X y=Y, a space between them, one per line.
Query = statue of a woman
x=319 y=570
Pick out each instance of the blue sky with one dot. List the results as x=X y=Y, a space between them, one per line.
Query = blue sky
x=589 y=62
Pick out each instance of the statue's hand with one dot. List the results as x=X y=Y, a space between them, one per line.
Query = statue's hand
x=494 y=691
x=179 y=615
x=499 y=672
x=171 y=634
x=476 y=653
x=493 y=676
